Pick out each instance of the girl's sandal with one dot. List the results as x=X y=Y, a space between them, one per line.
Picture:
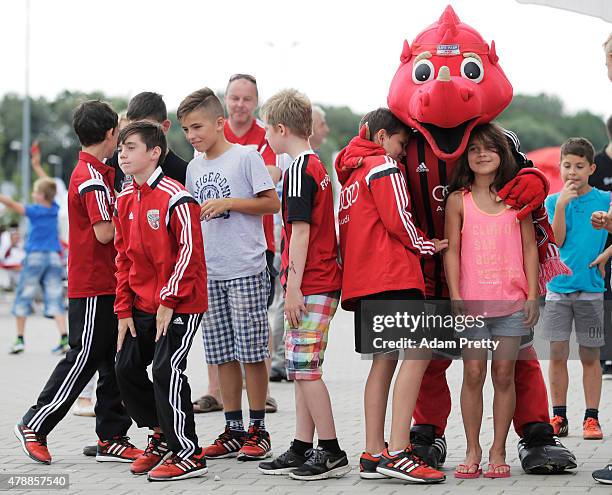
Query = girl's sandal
x=466 y=474
x=492 y=473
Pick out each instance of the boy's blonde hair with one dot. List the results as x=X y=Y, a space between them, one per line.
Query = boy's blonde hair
x=203 y=99
x=46 y=187
x=290 y=108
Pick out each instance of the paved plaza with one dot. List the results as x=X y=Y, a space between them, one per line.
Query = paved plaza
x=21 y=378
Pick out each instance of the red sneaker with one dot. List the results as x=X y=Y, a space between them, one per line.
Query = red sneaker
x=367 y=467
x=560 y=426
x=226 y=445
x=256 y=446
x=175 y=468
x=409 y=467
x=155 y=453
x=33 y=444
x=591 y=429
x=118 y=449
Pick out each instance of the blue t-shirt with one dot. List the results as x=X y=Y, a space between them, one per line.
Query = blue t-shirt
x=43 y=234
x=582 y=242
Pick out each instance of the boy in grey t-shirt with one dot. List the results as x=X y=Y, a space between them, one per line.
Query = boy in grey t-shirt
x=235 y=241
x=235 y=189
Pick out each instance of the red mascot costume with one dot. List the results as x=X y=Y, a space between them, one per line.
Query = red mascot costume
x=448 y=82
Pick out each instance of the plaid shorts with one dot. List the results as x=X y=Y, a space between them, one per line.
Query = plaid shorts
x=305 y=346
x=235 y=327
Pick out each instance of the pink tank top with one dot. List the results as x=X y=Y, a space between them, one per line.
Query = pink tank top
x=491 y=267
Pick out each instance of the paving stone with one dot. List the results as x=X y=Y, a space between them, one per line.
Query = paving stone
x=23 y=377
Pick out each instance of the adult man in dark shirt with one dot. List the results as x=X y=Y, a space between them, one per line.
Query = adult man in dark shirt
x=602 y=179
x=151 y=106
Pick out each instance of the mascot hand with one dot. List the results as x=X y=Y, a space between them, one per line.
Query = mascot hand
x=526 y=192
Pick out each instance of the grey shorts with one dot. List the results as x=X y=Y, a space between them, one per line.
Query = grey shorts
x=498 y=326
x=584 y=309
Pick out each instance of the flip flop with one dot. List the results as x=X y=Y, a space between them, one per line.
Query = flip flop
x=490 y=472
x=206 y=404
x=468 y=476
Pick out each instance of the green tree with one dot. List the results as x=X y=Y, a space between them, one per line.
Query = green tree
x=51 y=124
x=541 y=121
x=343 y=125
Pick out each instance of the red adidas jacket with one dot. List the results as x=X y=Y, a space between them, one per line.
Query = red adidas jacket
x=379 y=243
x=160 y=253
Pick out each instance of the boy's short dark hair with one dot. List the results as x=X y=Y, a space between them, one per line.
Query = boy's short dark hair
x=147 y=105
x=382 y=118
x=578 y=146
x=609 y=127
x=203 y=99
x=91 y=121
x=151 y=134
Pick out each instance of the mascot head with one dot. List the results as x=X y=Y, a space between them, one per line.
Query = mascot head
x=448 y=82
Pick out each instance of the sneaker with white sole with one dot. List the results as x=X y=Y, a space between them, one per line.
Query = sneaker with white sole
x=367 y=467
x=177 y=468
x=227 y=444
x=322 y=465
x=257 y=445
x=604 y=475
x=283 y=464
x=155 y=453
x=33 y=444
x=18 y=347
x=408 y=467
x=118 y=449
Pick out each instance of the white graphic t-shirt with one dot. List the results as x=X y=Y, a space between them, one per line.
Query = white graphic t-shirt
x=234 y=243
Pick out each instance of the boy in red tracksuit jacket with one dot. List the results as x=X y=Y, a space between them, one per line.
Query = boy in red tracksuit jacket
x=161 y=295
x=381 y=250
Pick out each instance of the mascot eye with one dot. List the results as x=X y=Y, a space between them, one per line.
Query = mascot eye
x=471 y=68
x=422 y=71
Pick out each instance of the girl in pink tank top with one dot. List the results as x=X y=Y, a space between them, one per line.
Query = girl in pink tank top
x=491 y=268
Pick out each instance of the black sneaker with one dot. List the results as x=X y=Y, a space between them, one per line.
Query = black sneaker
x=90 y=450
x=321 y=465
x=427 y=445
x=283 y=464
x=604 y=475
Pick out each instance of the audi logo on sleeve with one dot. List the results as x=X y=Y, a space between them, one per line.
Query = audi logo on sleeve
x=348 y=196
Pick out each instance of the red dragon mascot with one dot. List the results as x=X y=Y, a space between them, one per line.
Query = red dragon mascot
x=448 y=82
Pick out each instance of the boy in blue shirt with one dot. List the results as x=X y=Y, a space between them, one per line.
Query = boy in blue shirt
x=576 y=298
x=42 y=266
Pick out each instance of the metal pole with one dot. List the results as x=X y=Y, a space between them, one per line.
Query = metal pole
x=25 y=139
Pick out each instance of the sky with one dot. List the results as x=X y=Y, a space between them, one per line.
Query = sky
x=337 y=52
